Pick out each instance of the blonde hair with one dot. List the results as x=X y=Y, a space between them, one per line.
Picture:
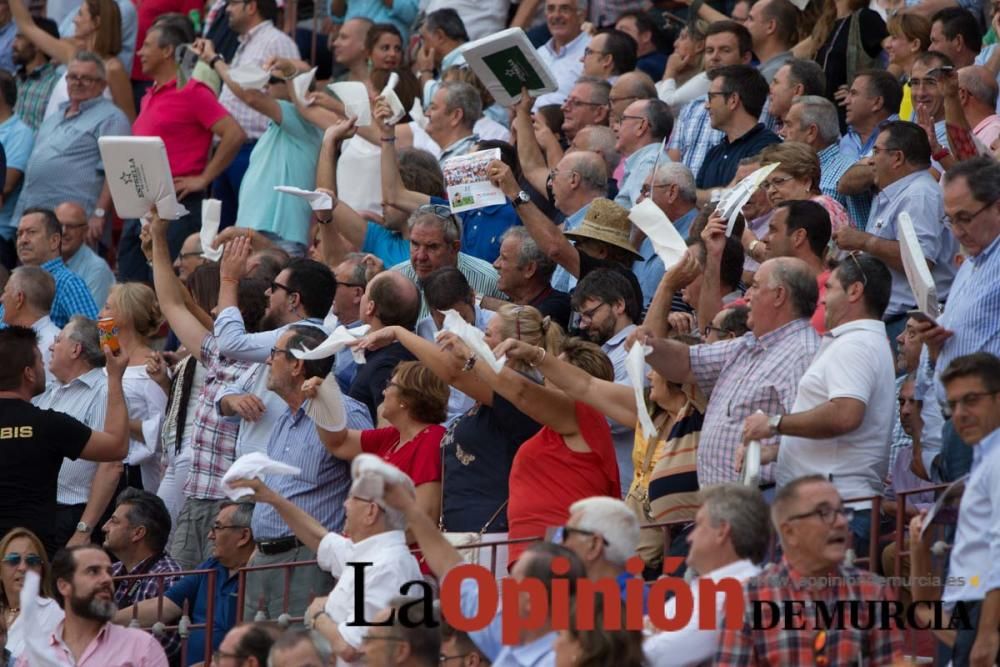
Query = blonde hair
x=796 y=159
x=589 y=357
x=39 y=548
x=426 y=394
x=526 y=323
x=911 y=26
x=136 y=304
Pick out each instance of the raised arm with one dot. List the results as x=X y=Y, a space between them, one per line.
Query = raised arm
x=342 y=443
x=710 y=299
x=61 y=50
x=111 y=444
x=309 y=531
x=394 y=193
x=676 y=277
x=529 y=153
x=121 y=89
x=257 y=100
x=671 y=359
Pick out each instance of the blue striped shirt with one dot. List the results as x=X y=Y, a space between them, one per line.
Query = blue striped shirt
x=320 y=490
x=72 y=295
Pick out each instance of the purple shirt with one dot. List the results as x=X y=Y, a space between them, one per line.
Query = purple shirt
x=114 y=646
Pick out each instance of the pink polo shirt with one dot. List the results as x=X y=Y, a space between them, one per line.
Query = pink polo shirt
x=183 y=118
x=114 y=646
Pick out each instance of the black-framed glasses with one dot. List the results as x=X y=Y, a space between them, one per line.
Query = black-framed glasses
x=864 y=276
x=589 y=314
x=967 y=218
x=563 y=532
x=826 y=514
x=275 y=350
x=710 y=94
x=645 y=190
x=572 y=103
x=442 y=658
x=969 y=400
x=587 y=51
x=218 y=656
x=709 y=328
x=14 y=560
x=878 y=149
x=275 y=286
x=343 y=284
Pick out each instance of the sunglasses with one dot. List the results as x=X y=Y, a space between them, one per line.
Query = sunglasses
x=14 y=560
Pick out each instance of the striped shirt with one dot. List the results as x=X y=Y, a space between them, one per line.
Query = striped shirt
x=72 y=296
x=740 y=377
x=320 y=489
x=259 y=44
x=693 y=135
x=833 y=165
x=85 y=398
x=481 y=275
x=213 y=441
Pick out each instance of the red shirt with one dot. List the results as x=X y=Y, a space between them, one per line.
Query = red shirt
x=819 y=317
x=547 y=477
x=183 y=118
x=150 y=10
x=420 y=458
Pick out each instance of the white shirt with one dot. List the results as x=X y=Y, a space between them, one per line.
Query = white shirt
x=677 y=96
x=692 y=645
x=392 y=566
x=46 y=332
x=566 y=66
x=975 y=558
x=480 y=18
x=853 y=361
x=359 y=174
x=147 y=402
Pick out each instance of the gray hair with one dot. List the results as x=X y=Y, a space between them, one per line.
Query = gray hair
x=529 y=251
x=292 y=638
x=38 y=286
x=93 y=58
x=83 y=331
x=983 y=88
x=243 y=513
x=819 y=111
x=592 y=171
x=460 y=95
x=600 y=89
x=358 y=274
x=450 y=225
x=660 y=118
x=601 y=140
x=613 y=520
x=744 y=510
x=449 y=22
x=677 y=173
x=795 y=276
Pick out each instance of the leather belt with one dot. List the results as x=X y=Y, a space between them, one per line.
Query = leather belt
x=278 y=546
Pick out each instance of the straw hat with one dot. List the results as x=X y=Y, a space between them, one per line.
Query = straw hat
x=606 y=221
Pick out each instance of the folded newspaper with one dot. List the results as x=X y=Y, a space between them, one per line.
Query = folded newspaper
x=918 y=275
x=507 y=62
x=139 y=176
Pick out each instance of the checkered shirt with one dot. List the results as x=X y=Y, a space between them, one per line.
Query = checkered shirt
x=740 y=377
x=130 y=591
x=833 y=165
x=844 y=645
x=693 y=135
x=33 y=92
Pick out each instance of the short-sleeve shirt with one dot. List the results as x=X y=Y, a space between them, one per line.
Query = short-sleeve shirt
x=193 y=590
x=374 y=374
x=16 y=141
x=183 y=118
x=723 y=159
x=420 y=458
x=482 y=228
x=33 y=443
x=387 y=245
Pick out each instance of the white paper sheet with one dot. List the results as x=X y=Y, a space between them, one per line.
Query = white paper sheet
x=253 y=466
x=654 y=223
x=635 y=367
x=249 y=76
x=370 y=473
x=327 y=409
x=417 y=114
x=301 y=83
x=318 y=201
x=334 y=343
x=354 y=96
x=37 y=649
x=138 y=174
x=751 y=464
x=801 y=4
x=918 y=275
x=472 y=337
x=211 y=216
x=735 y=198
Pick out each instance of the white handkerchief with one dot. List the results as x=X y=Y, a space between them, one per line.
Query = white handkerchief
x=751 y=464
x=319 y=201
x=327 y=409
x=211 y=215
x=37 y=650
x=801 y=4
x=635 y=367
x=389 y=93
x=301 y=83
x=249 y=76
x=251 y=466
x=655 y=224
x=354 y=96
x=370 y=473
x=473 y=337
x=417 y=114
x=334 y=343
x=735 y=198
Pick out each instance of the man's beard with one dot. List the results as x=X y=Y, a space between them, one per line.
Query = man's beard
x=92 y=608
x=269 y=322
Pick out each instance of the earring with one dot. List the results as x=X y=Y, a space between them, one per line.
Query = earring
x=402 y=406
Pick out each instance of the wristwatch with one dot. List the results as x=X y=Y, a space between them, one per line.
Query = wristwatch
x=774 y=423
x=214 y=60
x=521 y=199
x=83 y=527
x=99 y=213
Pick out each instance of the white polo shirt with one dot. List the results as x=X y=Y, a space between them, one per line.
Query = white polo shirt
x=853 y=361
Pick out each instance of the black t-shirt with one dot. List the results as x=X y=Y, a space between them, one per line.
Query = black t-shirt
x=33 y=443
x=832 y=56
x=374 y=375
x=723 y=159
x=478 y=451
x=555 y=304
x=588 y=264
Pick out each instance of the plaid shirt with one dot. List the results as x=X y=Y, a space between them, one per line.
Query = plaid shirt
x=72 y=296
x=742 y=376
x=33 y=92
x=130 y=591
x=693 y=135
x=259 y=44
x=833 y=165
x=779 y=584
x=213 y=438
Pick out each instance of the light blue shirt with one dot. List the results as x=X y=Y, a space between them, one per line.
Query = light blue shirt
x=976 y=554
x=7 y=34
x=130 y=31
x=563 y=280
x=17 y=139
x=235 y=343
x=637 y=168
x=401 y=14
x=566 y=66
x=539 y=653
x=853 y=148
x=455 y=58
x=649 y=270
x=833 y=165
x=94 y=271
x=919 y=195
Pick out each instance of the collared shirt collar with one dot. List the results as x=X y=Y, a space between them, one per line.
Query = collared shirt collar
x=41 y=323
x=86 y=104
x=379 y=543
x=875 y=326
x=985 y=447
x=781 y=332
x=459 y=145
x=893 y=189
x=746 y=136
x=551 y=44
x=641 y=153
x=619 y=337
x=90 y=378
x=739 y=569
x=52 y=264
x=166 y=86
x=244 y=39
x=987 y=252
x=36 y=73
x=56 y=638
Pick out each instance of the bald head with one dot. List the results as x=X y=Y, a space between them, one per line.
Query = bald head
x=590 y=168
x=391 y=299
x=598 y=139
x=636 y=84
x=980 y=84
x=190 y=257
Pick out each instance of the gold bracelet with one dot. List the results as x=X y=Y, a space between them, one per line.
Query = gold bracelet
x=535 y=364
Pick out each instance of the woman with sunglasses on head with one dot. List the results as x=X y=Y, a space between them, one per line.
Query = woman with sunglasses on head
x=20 y=551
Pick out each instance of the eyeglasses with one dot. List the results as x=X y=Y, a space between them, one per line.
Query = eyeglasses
x=216 y=527
x=710 y=95
x=645 y=189
x=340 y=284
x=970 y=400
x=82 y=78
x=572 y=103
x=775 y=182
x=589 y=314
x=864 y=276
x=275 y=350
x=217 y=656
x=14 y=560
x=962 y=219
x=878 y=149
x=563 y=532
x=625 y=117
x=445 y=658
x=587 y=51
x=275 y=286
x=709 y=328
x=826 y=513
